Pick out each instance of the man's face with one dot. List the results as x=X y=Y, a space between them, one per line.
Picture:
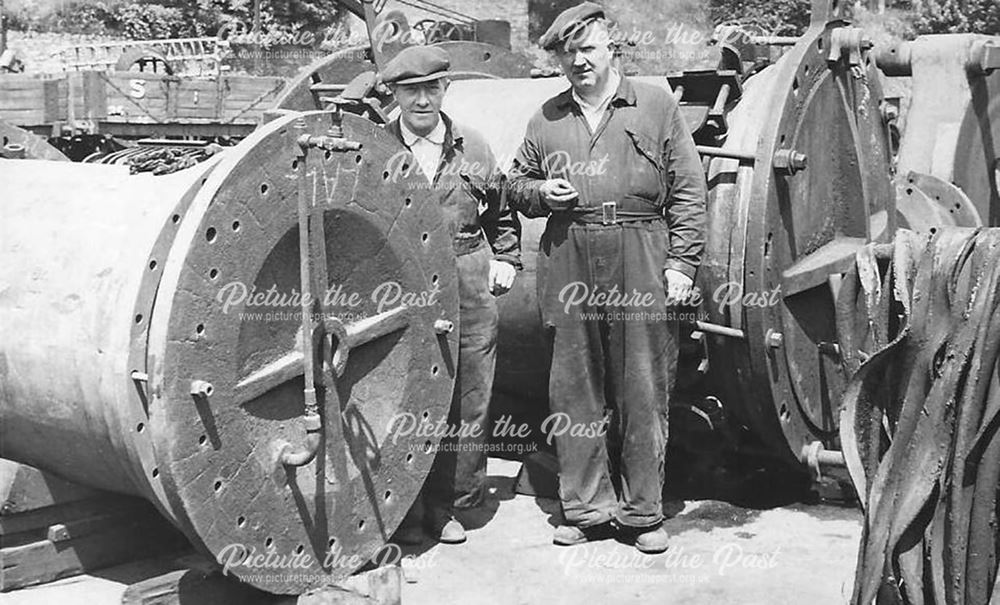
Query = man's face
x=585 y=58
x=420 y=104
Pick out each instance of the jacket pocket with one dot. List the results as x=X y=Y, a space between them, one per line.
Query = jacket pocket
x=646 y=177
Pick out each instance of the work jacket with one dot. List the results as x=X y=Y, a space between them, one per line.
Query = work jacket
x=642 y=157
x=470 y=188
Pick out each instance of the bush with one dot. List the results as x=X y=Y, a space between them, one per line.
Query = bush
x=959 y=16
x=149 y=21
x=775 y=17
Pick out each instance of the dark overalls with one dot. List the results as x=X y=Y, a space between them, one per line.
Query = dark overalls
x=457 y=478
x=641 y=210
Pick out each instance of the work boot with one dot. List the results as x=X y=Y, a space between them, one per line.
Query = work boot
x=568 y=535
x=652 y=541
x=447 y=530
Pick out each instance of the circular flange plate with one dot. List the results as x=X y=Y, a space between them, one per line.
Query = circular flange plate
x=227 y=315
x=780 y=239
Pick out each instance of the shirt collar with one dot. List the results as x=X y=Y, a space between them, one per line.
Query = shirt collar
x=613 y=83
x=624 y=95
x=436 y=136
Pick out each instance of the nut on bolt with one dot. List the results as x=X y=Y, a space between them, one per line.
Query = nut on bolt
x=789 y=160
x=443 y=326
x=201 y=388
x=774 y=339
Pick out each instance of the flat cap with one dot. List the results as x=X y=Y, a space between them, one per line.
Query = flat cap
x=569 y=23
x=416 y=64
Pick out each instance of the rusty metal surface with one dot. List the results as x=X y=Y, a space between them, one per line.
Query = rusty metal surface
x=110 y=321
x=783 y=235
x=216 y=452
x=952 y=128
x=919 y=421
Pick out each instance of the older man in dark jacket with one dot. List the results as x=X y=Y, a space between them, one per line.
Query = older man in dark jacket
x=461 y=171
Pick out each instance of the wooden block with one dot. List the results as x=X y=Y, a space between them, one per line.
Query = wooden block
x=80 y=546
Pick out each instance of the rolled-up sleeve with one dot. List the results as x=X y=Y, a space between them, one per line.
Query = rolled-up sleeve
x=685 y=207
x=526 y=177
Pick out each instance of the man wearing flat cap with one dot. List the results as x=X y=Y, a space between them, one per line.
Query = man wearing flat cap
x=624 y=236
x=462 y=172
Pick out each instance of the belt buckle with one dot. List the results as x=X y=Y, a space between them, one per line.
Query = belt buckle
x=609 y=213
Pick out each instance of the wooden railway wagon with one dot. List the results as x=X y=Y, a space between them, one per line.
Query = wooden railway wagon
x=133 y=104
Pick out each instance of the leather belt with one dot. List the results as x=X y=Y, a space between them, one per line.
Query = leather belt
x=607 y=214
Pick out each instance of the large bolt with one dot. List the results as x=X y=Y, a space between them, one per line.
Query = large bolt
x=789 y=160
x=200 y=388
x=443 y=326
x=774 y=339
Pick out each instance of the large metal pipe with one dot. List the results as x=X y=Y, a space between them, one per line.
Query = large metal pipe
x=131 y=362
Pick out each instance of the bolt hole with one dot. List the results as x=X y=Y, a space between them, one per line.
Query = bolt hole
x=268 y=542
x=406 y=168
x=782 y=139
x=236 y=225
x=202 y=440
x=140 y=427
x=409 y=458
x=408 y=202
x=241 y=521
x=218 y=485
x=385 y=175
x=331 y=542
x=427 y=447
x=357 y=159
x=299 y=549
x=795 y=85
x=424 y=237
x=175 y=218
x=933 y=230
x=434 y=279
x=156 y=473
x=909 y=191
x=783 y=412
x=435 y=370
x=388 y=494
x=199 y=329
x=263 y=188
x=210 y=234
x=819 y=45
x=361 y=524
x=295 y=164
x=138 y=318
x=212 y=274
x=426 y=414
x=327 y=155
x=152 y=265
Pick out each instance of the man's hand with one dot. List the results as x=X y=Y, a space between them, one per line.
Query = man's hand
x=559 y=194
x=501 y=277
x=678 y=287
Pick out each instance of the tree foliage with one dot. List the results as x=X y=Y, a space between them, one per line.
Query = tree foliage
x=955 y=16
x=773 y=17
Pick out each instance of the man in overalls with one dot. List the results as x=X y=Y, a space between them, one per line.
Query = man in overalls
x=462 y=172
x=613 y=166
